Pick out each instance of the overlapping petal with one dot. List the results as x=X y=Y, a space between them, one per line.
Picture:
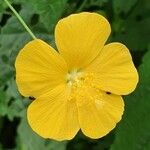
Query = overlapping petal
x=97 y=117
x=53 y=116
x=80 y=37
x=39 y=68
x=114 y=70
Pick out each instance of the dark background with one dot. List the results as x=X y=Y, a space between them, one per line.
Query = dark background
x=130 y=22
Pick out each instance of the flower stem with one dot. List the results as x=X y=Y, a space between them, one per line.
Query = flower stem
x=20 y=19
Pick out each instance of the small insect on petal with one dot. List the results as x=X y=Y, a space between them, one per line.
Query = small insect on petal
x=108 y=93
x=31 y=98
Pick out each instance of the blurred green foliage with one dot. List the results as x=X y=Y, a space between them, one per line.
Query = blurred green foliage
x=130 y=21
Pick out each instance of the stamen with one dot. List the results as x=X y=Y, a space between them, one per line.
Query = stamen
x=83 y=89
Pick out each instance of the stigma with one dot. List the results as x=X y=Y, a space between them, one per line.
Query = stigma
x=75 y=77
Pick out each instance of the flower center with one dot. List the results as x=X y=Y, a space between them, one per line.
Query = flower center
x=80 y=84
x=83 y=90
x=74 y=77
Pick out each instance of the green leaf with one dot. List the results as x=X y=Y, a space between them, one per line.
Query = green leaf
x=133 y=131
x=11 y=104
x=123 y=5
x=50 y=11
x=3 y=5
x=133 y=28
x=54 y=145
x=16 y=104
x=3 y=104
x=131 y=33
x=14 y=36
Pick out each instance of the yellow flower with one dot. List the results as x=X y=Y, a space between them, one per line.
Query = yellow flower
x=80 y=86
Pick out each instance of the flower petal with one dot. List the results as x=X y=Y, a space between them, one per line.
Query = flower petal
x=114 y=70
x=53 y=116
x=99 y=116
x=80 y=37
x=39 y=68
